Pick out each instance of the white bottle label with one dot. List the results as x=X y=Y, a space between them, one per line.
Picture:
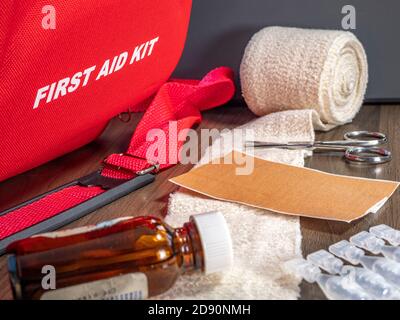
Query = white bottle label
x=126 y=287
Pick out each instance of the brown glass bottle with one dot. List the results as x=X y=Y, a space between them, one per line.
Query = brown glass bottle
x=129 y=258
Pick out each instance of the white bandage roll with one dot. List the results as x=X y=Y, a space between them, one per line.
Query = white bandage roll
x=291 y=68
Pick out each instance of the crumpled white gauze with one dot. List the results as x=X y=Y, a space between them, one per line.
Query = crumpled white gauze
x=291 y=68
x=262 y=240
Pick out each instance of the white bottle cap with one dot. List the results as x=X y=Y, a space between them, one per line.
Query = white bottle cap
x=215 y=240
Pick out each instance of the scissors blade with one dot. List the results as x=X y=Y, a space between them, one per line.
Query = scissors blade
x=288 y=145
x=347 y=143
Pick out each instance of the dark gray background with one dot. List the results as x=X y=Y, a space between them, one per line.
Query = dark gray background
x=220 y=30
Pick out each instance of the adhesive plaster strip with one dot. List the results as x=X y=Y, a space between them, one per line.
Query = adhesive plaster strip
x=289 y=189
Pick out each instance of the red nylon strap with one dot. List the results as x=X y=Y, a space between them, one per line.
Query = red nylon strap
x=177 y=101
x=45 y=208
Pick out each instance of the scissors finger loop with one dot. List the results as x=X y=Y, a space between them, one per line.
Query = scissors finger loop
x=366 y=138
x=368 y=155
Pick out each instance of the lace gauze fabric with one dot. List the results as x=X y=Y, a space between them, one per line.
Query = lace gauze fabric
x=262 y=240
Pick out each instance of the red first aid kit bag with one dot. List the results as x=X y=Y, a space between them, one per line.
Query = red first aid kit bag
x=68 y=68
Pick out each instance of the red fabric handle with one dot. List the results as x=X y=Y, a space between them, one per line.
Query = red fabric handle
x=178 y=100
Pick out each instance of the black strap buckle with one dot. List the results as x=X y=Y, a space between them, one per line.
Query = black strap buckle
x=95 y=179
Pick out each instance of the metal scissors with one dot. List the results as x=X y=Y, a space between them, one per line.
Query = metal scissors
x=358 y=146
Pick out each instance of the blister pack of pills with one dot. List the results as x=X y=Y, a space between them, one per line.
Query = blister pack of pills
x=367 y=267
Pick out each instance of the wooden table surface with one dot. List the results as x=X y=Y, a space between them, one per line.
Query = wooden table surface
x=317 y=234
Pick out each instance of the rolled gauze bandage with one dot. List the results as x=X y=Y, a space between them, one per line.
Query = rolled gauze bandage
x=291 y=68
